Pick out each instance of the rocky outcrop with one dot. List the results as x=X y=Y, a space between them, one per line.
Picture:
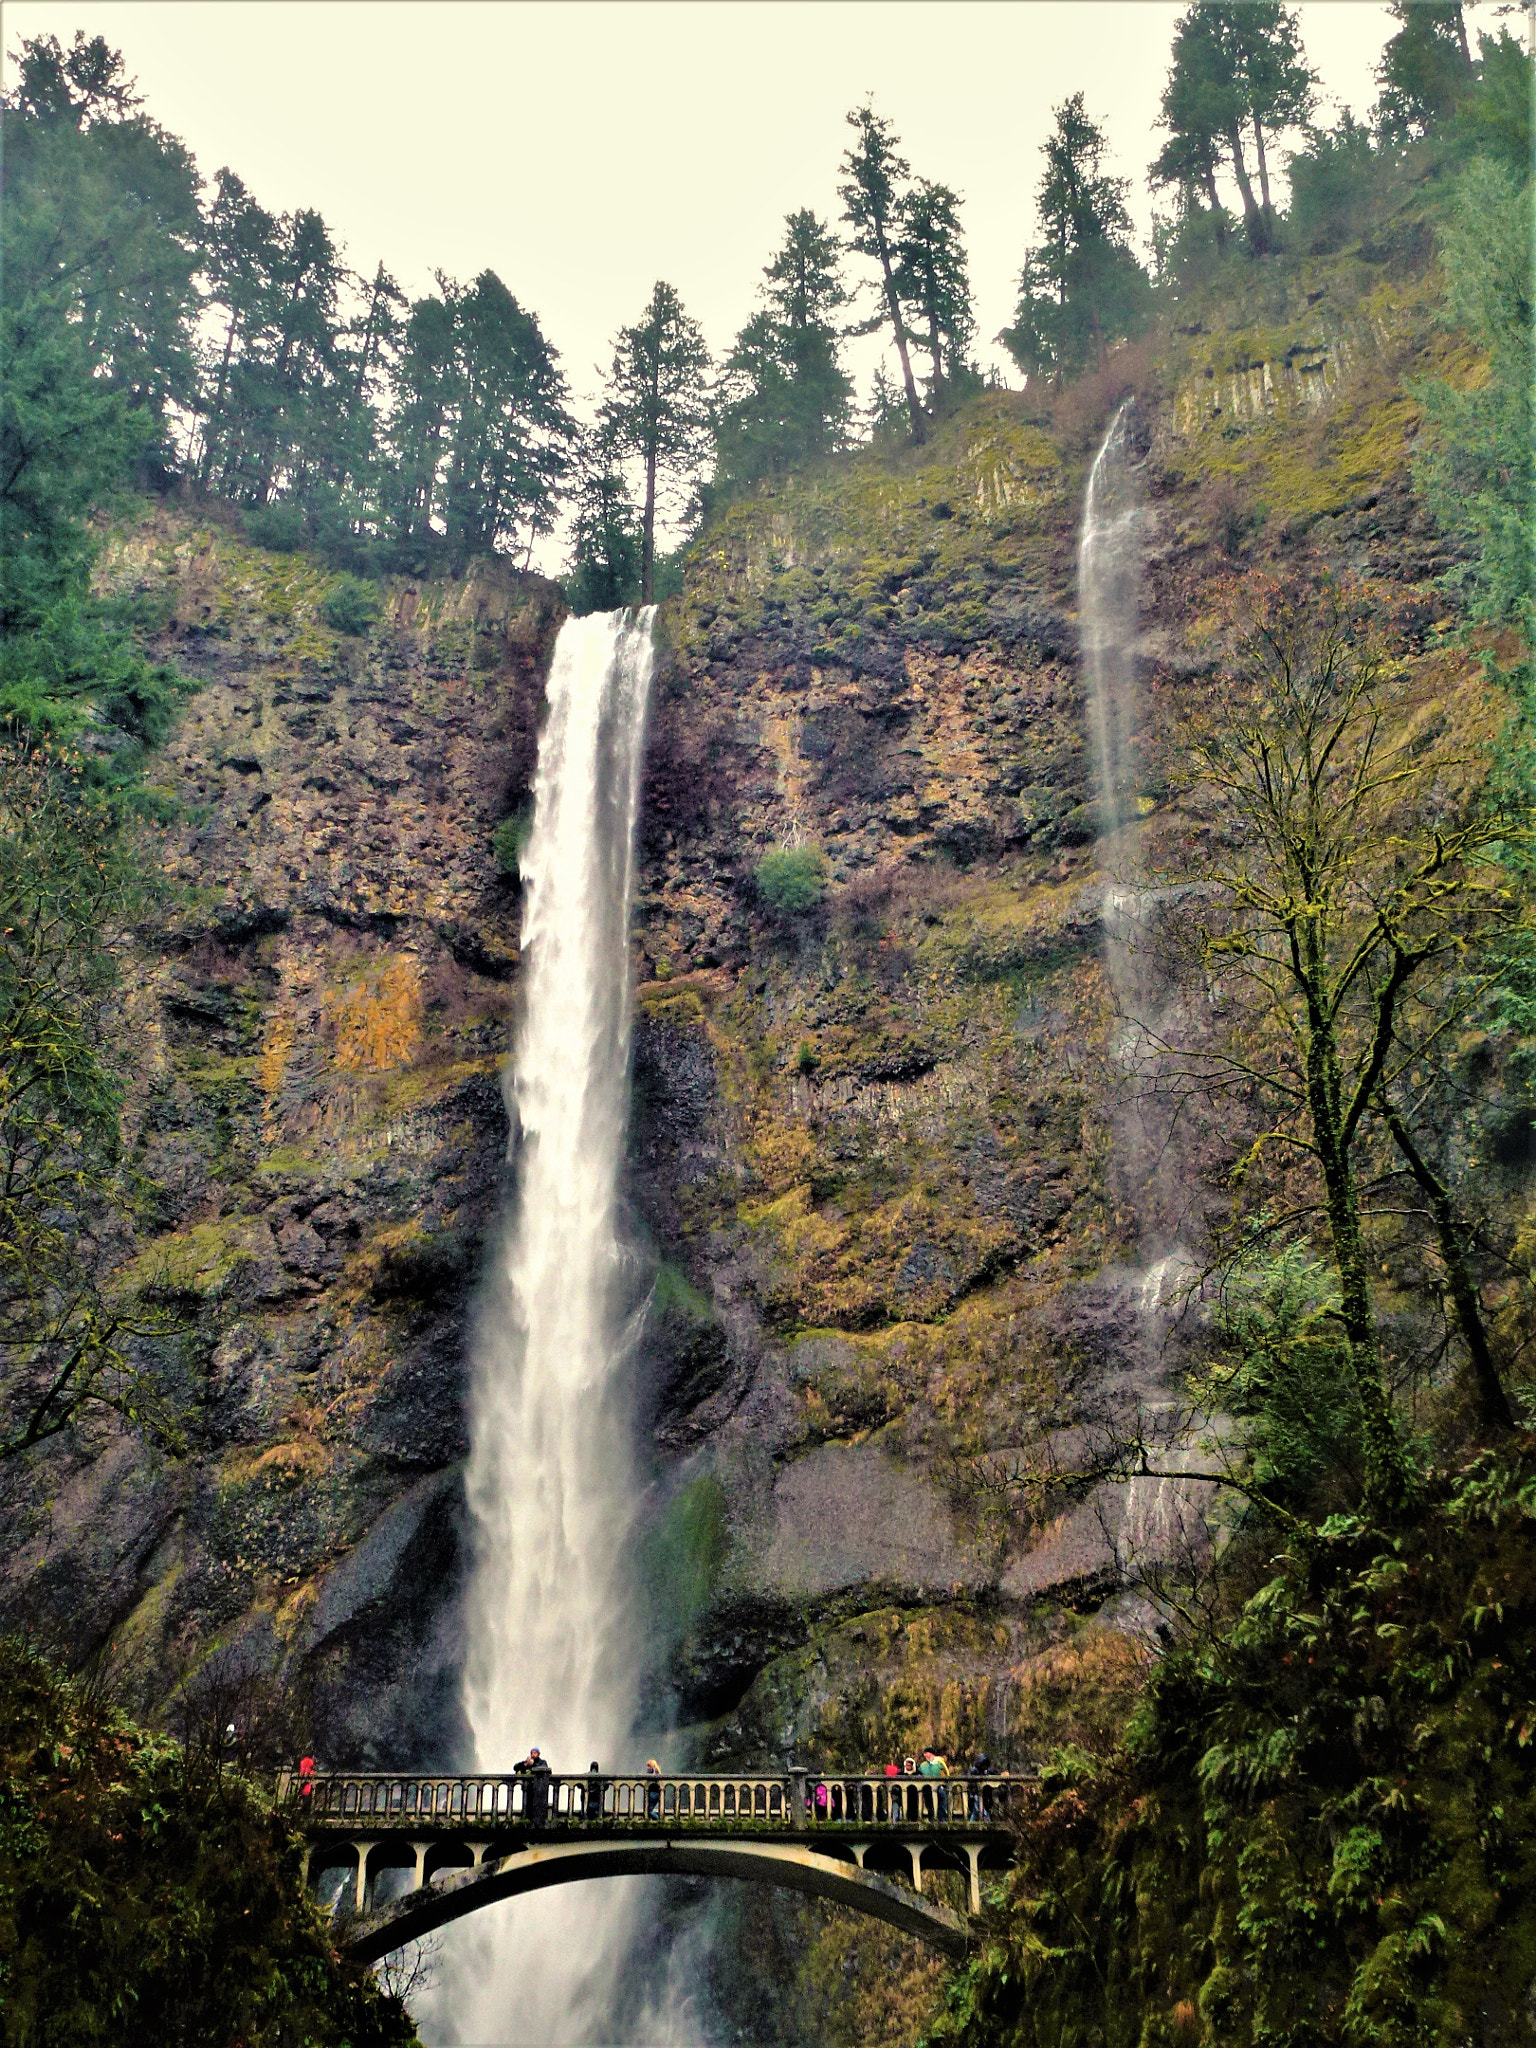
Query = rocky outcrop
x=314 y=1016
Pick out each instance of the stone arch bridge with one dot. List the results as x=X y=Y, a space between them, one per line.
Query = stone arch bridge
x=403 y=1855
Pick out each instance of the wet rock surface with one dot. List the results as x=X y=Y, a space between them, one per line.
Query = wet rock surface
x=314 y=1016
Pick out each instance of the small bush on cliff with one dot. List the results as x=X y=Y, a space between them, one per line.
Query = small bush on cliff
x=351 y=607
x=791 y=880
x=150 y=1898
x=509 y=839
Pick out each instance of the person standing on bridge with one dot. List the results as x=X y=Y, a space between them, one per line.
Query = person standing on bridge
x=594 y=1792
x=653 y=1792
x=934 y=1766
x=535 y=1768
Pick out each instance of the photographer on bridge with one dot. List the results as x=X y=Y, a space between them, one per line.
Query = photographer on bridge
x=535 y=1769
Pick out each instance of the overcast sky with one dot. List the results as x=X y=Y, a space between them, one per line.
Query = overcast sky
x=584 y=149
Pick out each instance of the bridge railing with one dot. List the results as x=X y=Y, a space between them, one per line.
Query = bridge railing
x=374 y=1802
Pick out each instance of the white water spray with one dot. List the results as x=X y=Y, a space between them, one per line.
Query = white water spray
x=1157 y=1517
x=551 y=1650
x=1109 y=590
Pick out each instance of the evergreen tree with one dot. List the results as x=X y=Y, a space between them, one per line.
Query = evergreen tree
x=511 y=429
x=605 y=531
x=785 y=397
x=873 y=171
x=932 y=277
x=657 y=408
x=102 y=229
x=1425 y=69
x=1237 y=67
x=422 y=390
x=1082 y=287
x=95 y=354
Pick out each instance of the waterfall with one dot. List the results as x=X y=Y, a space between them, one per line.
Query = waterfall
x=1153 y=1516
x=1109 y=590
x=551 y=1652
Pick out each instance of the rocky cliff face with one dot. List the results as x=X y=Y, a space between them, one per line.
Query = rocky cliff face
x=872 y=1147
x=876 y=1140
x=313 y=1022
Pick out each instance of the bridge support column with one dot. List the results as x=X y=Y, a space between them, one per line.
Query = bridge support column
x=477 y=1852
x=860 y=1851
x=915 y=1851
x=421 y=1849
x=361 y=1893
x=973 y=1857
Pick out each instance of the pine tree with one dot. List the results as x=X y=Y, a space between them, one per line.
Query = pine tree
x=1082 y=287
x=605 y=531
x=511 y=431
x=932 y=277
x=784 y=396
x=657 y=409
x=1237 y=68
x=873 y=171
x=1426 y=68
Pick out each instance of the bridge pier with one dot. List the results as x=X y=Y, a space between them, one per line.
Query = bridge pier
x=973 y=1857
x=915 y=1851
x=860 y=1851
x=361 y=1888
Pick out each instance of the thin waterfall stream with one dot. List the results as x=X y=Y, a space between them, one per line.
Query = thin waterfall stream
x=1155 y=1514
x=552 y=1652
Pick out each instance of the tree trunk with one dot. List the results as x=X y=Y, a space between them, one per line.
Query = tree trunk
x=1269 y=211
x=648 y=531
x=1492 y=1401
x=1388 y=1481
x=1257 y=240
x=216 y=410
x=1461 y=37
x=893 y=307
x=1218 y=211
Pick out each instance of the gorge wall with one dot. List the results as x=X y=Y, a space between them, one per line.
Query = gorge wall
x=870 y=1151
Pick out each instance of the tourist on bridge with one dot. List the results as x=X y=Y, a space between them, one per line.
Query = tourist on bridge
x=934 y=1766
x=535 y=1768
x=653 y=1792
x=981 y=1765
x=594 y=1791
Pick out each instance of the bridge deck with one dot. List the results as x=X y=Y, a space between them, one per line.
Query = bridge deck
x=791 y=1801
x=420 y=1850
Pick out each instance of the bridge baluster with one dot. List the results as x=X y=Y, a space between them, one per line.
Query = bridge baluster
x=501 y=1795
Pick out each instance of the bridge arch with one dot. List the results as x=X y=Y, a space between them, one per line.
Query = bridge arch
x=375 y=1934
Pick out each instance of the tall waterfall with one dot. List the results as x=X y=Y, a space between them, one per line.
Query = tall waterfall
x=551 y=1654
x=1151 y=1517
x=1109 y=589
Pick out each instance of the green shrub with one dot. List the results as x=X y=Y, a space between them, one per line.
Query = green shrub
x=281 y=527
x=352 y=606
x=791 y=880
x=509 y=839
x=150 y=1894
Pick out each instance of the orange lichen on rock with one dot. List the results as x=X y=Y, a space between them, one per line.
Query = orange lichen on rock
x=377 y=1020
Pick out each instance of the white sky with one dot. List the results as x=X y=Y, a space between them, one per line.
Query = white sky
x=582 y=149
